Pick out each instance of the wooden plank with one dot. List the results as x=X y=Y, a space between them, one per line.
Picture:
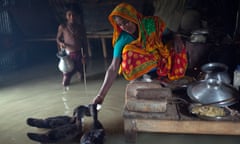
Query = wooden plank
x=131 y=89
x=130 y=130
x=170 y=114
x=104 y=47
x=191 y=127
x=153 y=93
x=99 y=36
x=140 y=105
x=102 y=37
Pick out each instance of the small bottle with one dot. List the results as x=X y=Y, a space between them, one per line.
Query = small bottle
x=236 y=77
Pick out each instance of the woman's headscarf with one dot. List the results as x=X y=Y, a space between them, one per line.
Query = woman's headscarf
x=150 y=28
x=125 y=11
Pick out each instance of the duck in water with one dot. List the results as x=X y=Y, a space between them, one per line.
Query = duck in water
x=96 y=135
x=49 y=123
x=68 y=131
x=54 y=122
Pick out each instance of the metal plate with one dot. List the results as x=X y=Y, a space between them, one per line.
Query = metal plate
x=227 y=115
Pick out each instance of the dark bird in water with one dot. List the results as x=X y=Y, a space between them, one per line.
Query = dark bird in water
x=54 y=122
x=96 y=134
x=51 y=122
x=65 y=132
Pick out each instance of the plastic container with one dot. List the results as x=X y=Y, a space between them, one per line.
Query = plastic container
x=236 y=77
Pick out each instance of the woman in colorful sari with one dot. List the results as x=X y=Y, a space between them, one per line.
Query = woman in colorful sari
x=139 y=48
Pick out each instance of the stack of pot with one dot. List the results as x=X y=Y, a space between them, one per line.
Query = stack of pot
x=214 y=88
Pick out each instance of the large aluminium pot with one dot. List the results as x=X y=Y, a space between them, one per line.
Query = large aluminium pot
x=217 y=71
x=212 y=91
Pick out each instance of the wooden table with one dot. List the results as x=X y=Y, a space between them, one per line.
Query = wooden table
x=103 y=35
x=99 y=35
x=174 y=121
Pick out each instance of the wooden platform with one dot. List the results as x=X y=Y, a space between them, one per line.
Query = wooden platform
x=174 y=120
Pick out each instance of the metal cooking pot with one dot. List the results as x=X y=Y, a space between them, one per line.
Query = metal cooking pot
x=199 y=36
x=218 y=71
x=212 y=91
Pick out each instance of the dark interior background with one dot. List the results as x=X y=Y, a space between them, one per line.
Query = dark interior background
x=28 y=28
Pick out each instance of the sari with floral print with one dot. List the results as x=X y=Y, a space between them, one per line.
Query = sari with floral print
x=147 y=51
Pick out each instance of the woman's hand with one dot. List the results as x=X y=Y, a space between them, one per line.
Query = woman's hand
x=178 y=43
x=62 y=45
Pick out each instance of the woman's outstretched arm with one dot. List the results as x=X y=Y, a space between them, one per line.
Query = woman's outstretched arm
x=110 y=76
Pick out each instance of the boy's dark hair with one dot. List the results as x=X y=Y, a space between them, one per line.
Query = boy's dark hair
x=72 y=7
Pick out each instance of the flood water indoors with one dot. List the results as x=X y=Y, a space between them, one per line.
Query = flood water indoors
x=37 y=92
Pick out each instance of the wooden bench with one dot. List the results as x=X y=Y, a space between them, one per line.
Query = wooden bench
x=172 y=121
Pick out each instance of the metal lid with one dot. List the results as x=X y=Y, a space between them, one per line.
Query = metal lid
x=212 y=91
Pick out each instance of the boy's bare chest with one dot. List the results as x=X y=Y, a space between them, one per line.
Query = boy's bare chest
x=73 y=30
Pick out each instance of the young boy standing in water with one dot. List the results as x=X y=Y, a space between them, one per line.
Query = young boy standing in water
x=71 y=37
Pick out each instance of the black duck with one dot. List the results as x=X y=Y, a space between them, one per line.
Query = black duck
x=96 y=135
x=65 y=132
x=54 y=122
x=51 y=122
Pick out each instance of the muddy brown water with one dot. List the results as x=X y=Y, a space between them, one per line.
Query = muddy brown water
x=37 y=92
